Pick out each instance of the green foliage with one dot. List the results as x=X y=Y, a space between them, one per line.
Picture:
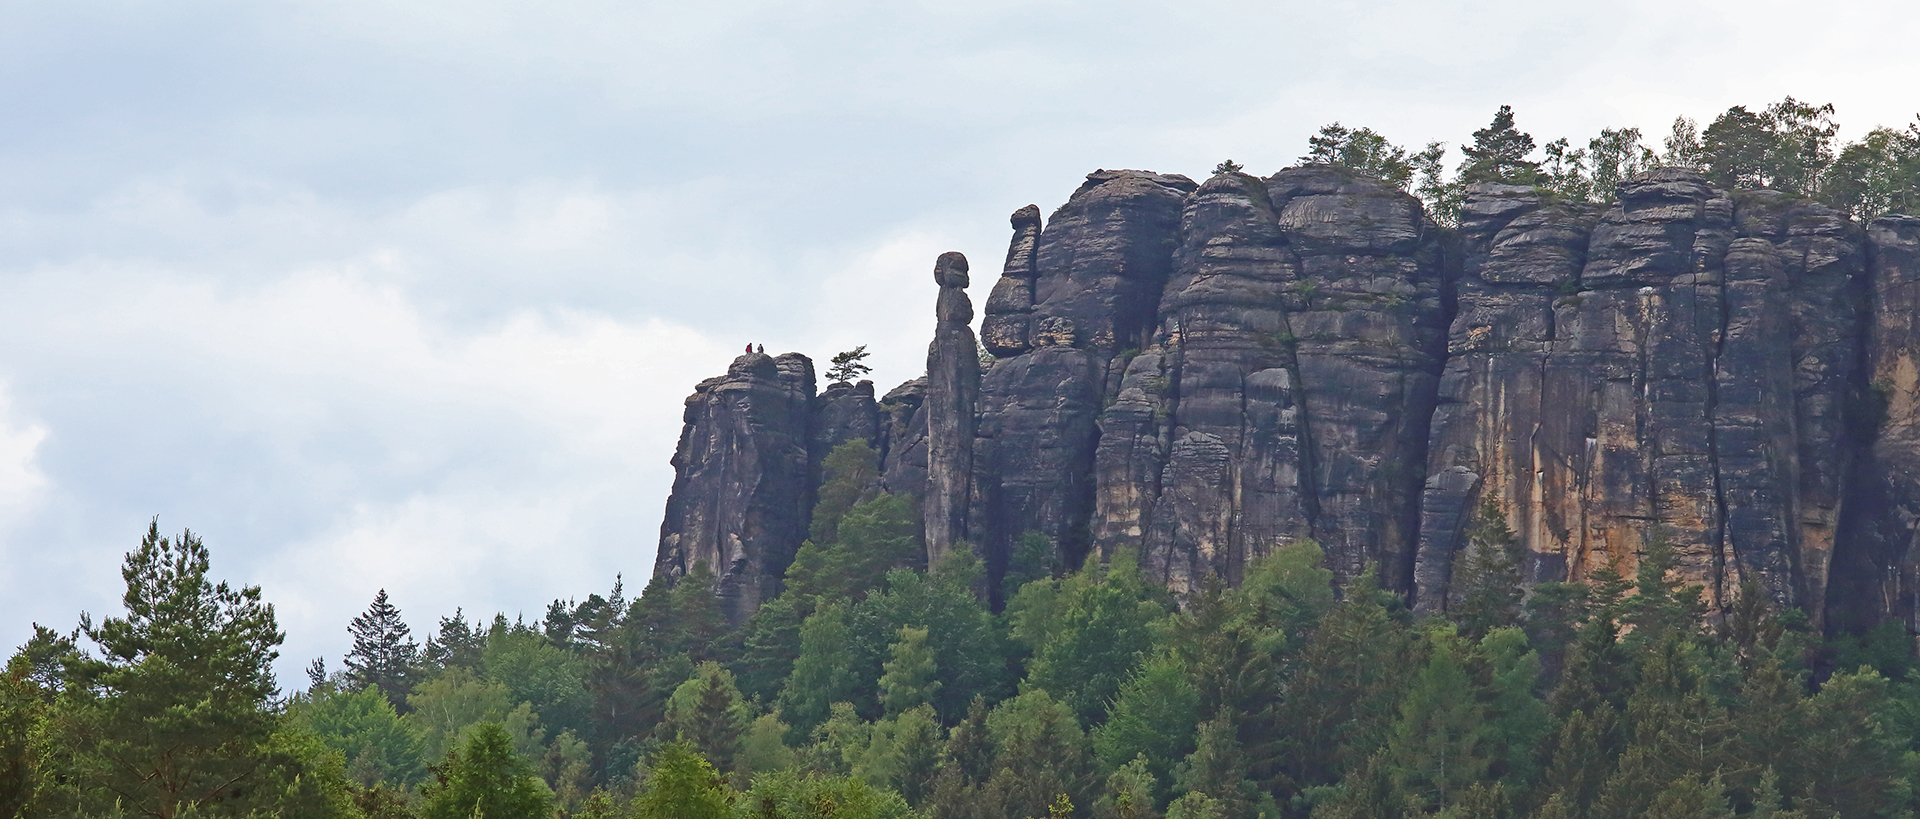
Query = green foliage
x=485 y=777
x=1346 y=687
x=378 y=745
x=911 y=679
x=536 y=672
x=440 y=709
x=1499 y=153
x=1362 y=150
x=1785 y=147
x=849 y=473
x=1878 y=174
x=1228 y=166
x=1489 y=581
x=176 y=714
x=1441 y=744
x=1087 y=631
x=1152 y=721
x=383 y=654
x=683 y=785
x=707 y=712
x=968 y=643
x=1039 y=752
x=458 y=645
x=849 y=365
x=825 y=672
x=23 y=717
x=874 y=536
x=796 y=795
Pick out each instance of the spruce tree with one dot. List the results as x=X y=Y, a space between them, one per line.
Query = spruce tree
x=706 y=711
x=458 y=645
x=1489 y=583
x=384 y=654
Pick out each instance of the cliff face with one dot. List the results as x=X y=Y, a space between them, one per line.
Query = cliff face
x=1205 y=372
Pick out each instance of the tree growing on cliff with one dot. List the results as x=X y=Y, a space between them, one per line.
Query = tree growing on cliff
x=849 y=365
x=1360 y=149
x=1499 y=153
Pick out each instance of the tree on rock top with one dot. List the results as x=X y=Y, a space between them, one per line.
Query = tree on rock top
x=1499 y=153
x=849 y=365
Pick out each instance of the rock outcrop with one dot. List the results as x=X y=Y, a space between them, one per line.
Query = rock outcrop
x=744 y=479
x=1203 y=373
x=953 y=387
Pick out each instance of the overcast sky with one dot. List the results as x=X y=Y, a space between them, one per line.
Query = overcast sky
x=407 y=295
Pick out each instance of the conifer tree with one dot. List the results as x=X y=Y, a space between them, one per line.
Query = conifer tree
x=458 y=644
x=176 y=714
x=1489 y=583
x=1152 y=720
x=383 y=655
x=1218 y=769
x=1440 y=744
x=707 y=712
x=1499 y=153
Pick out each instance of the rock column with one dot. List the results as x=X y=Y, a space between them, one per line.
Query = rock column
x=953 y=389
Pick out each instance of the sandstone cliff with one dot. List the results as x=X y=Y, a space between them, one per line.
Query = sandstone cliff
x=1204 y=372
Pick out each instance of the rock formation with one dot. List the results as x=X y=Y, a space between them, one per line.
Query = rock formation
x=1203 y=373
x=953 y=387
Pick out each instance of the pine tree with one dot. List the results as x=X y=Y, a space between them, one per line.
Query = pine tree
x=1499 y=153
x=849 y=365
x=848 y=474
x=177 y=713
x=383 y=655
x=486 y=778
x=911 y=677
x=1217 y=769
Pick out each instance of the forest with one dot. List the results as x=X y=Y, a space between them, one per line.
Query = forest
x=877 y=687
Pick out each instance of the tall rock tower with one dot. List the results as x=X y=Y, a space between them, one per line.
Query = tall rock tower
x=953 y=388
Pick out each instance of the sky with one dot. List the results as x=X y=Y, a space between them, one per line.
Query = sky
x=408 y=295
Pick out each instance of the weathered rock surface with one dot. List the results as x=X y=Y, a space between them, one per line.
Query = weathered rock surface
x=1289 y=382
x=1097 y=272
x=1202 y=373
x=1880 y=576
x=1688 y=382
x=953 y=388
x=744 y=479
